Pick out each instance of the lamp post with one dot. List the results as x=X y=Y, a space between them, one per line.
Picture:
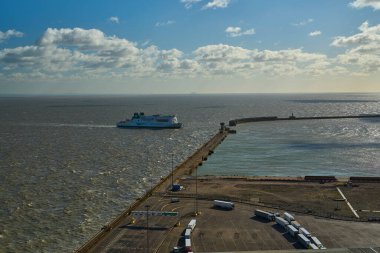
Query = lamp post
x=196 y=191
x=147 y=228
x=172 y=171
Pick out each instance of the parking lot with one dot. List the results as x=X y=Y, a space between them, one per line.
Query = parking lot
x=219 y=230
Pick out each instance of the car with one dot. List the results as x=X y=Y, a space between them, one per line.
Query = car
x=174 y=200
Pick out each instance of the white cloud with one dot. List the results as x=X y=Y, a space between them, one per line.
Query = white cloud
x=114 y=20
x=83 y=54
x=9 y=34
x=304 y=22
x=237 y=31
x=364 y=49
x=375 y=4
x=369 y=36
x=214 y=4
x=165 y=23
x=315 y=33
x=189 y=3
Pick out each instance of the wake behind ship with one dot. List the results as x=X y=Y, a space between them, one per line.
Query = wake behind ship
x=140 y=120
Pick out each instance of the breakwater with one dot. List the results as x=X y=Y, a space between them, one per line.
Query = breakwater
x=235 y=122
x=185 y=168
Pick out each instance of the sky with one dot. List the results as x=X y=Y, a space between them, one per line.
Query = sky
x=189 y=46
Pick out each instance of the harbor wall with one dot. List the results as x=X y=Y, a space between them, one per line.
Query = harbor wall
x=235 y=122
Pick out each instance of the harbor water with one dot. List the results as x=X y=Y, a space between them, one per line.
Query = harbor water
x=66 y=170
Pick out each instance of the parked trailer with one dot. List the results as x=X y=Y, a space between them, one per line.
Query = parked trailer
x=282 y=222
x=224 y=204
x=295 y=224
x=292 y=230
x=304 y=232
x=188 y=245
x=316 y=242
x=303 y=240
x=192 y=224
x=288 y=217
x=313 y=246
x=187 y=233
x=263 y=214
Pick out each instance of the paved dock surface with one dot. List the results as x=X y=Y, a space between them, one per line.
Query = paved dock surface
x=237 y=230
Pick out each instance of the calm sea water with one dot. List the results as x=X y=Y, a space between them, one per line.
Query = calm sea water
x=66 y=170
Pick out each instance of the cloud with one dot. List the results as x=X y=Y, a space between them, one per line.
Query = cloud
x=304 y=22
x=9 y=34
x=237 y=31
x=359 y=4
x=369 y=36
x=214 y=4
x=315 y=33
x=165 y=23
x=89 y=54
x=114 y=20
x=189 y=3
x=364 y=48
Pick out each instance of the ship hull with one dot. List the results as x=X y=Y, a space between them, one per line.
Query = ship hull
x=150 y=126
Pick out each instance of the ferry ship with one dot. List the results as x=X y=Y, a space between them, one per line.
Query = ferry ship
x=140 y=120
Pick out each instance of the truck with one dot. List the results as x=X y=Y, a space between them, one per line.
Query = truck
x=265 y=215
x=283 y=223
x=295 y=224
x=192 y=224
x=187 y=233
x=303 y=240
x=313 y=246
x=303 y=231
x=316 y=242
x=188 y=245
x=288 y=217
x=224 y=204
x=292 y=230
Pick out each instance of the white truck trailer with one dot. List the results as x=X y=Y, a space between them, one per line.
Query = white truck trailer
x=303 y=240
x=265 y=215
x=188 y=245
x=292 y=230
x=313 y=246
x=224 y=204
x=304 y=232
x=283 y=223
x=192 y=224
x=187 y=233
x=317 y=242
x=295 y=224
x=288 y=217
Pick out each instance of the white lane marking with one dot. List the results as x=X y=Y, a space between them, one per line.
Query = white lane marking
x=348 y=203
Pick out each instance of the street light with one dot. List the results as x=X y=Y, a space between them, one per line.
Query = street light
x=172 y=170
x=196 y=191
x=147 y=228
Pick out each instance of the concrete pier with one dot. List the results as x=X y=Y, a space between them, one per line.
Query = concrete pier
x=235 y=122
x=185 y=168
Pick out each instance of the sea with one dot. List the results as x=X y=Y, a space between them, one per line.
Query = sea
x=66 y=170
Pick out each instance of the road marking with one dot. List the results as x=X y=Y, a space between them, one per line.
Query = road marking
x=175 y=208
x=163 y=207
x=348 y=203
x=373 y=250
